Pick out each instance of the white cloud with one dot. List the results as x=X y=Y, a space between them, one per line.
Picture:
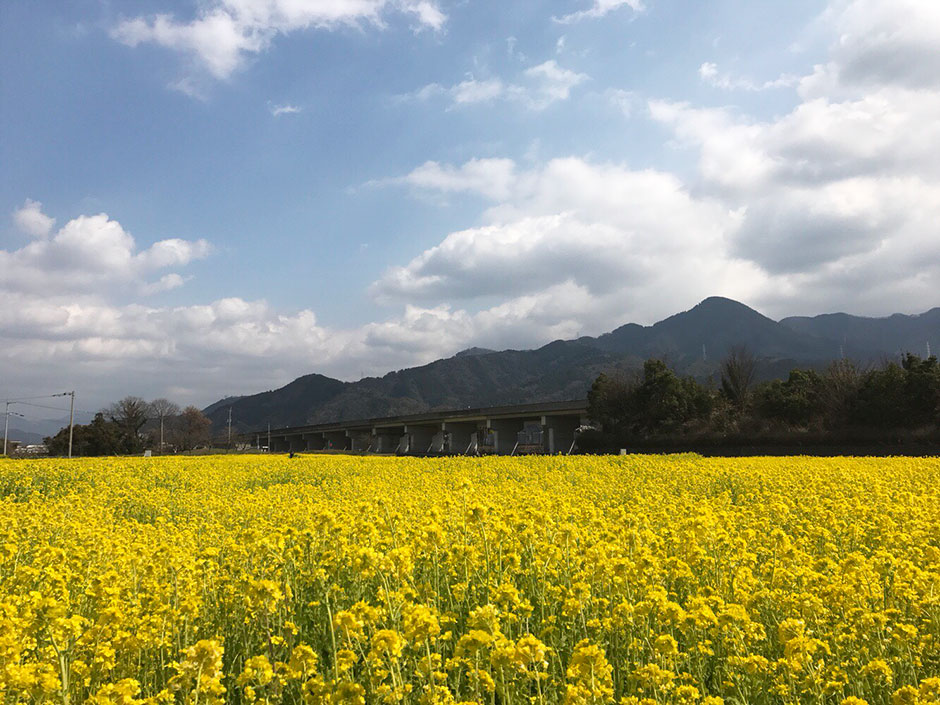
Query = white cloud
x=226 y=32
x=552 y=83
x=89 y=253
x=493 y=178
x=708 y=72
x=32 y=221
x=883 y=43
x=537 y=88
x=287 y=109
x=607 y=230
x=164 y=283
x=835 y=201
x=840 y=196
x=600 y=8
x=625 y=101
x=472 y=91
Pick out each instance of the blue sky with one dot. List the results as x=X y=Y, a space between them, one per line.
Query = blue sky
x=354 y=186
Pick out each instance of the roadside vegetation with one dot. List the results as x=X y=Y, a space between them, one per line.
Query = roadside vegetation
x=892 y=404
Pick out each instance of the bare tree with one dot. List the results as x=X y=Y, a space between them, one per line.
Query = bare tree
x=130 y=414
x=737 y=375
x=841 y=383
x=162 y=408
x=191 y=428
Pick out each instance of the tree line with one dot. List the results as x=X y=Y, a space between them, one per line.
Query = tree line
x=133 y=425
x=843 y=402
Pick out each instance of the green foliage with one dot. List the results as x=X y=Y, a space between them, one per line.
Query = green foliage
x=611 y=401
x=900 y=396
x=658 y=401
x=793 y=401
x=100 y=437
x=841 y=400
x=665 y=402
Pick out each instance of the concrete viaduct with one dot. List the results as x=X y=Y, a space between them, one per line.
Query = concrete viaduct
x=548 y=427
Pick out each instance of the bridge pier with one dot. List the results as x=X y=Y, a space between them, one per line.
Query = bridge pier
x=386 y=439
x=459 y=435
x=335 y=440
x=314 y=441
x=359 y=441
x=560 y=432
x=504 y=431
x=420 y=438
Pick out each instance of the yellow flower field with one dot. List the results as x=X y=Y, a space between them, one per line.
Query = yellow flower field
x=332 y=579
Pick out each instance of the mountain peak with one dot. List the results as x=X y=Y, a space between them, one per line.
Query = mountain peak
x=473 y=352
x=720 y=304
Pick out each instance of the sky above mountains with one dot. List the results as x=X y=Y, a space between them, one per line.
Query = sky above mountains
x=209 y=198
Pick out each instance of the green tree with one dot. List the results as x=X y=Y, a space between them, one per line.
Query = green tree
x=611 y=401
x=794 y=401
x=664 y=401
x=899 y=396
x=100 y=437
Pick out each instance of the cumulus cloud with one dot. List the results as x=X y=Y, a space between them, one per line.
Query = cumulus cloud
x=835 y=201
x=225 y=33
x=844 y=190
x=881 y=43
x=537 y=88
x=606 y=230
x=600 y=8
x=87 y=253
x=32 y=221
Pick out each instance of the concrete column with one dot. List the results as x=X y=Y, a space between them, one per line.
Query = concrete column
x=420 y=438
x=505 y=430
x=335 y=440
x=561 y=431
x=315 y=441
x=359 y=441
x=438 y=443
x=460 y=433
x=385 y=440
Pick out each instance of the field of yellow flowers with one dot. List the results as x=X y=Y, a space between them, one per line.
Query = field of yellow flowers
x=341 y=579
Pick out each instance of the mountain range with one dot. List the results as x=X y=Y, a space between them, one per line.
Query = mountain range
x=693 y=342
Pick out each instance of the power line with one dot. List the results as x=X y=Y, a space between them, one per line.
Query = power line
x=52 y=408
x=43 y=396
x=42 y=406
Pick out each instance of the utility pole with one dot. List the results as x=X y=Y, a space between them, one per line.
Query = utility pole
x=269 y=436
x=230 y=428
x=6 y=428
x=6 y=425
x=71 y=421
x=71 y=415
